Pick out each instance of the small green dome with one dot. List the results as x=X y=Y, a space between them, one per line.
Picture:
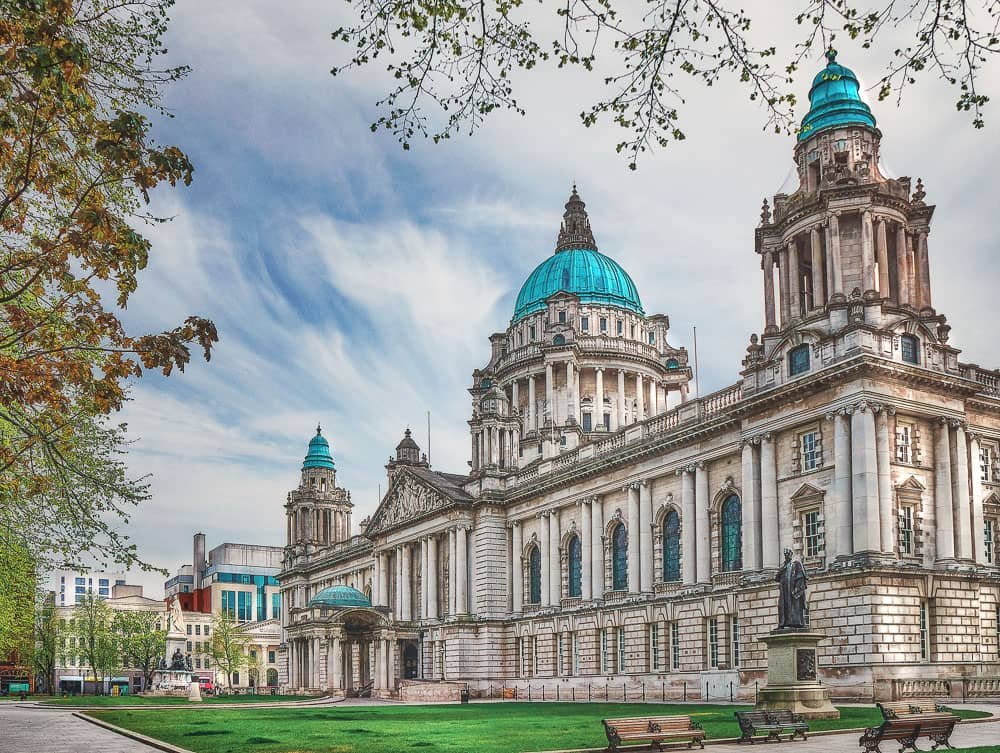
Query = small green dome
x=835 y=100
x=339 y=596
x=319 y=455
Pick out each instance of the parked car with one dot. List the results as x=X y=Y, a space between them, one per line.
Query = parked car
x=206 y=685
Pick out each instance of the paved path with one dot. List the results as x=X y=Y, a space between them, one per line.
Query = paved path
x=35 y=730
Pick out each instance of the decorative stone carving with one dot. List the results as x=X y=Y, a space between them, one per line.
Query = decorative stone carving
x=805 y=664
x=410 y=499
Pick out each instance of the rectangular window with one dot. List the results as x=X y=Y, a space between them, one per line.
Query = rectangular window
x=621 y=326
x=675 y=646
x=654 y=646
x=275 y=606
x=713 y=643
x=103 y=582
x=81 y=581
x=811 y=456
x=909 y=349
x=189 y=630
x=588 y=422
x=208 y=663
x=271 y=657
x=229 y=604
x=621 y=650
x=734 y=633
x=531 y=332
x=798 y=360
x=560 y=656
x=585 y=323
x=562 y=317
x=986 y=463
x=604 y=324
x=906 y=530
x=925 y=637
x=811 y=525
x=989 y=533
x=607 y=422
x=243 y=612
x=189 y=646
x=197 y=629
x=576 y=653
x=534 y=656
x=904 y=442
x=604 y=652
x=521 y=661
x=207 y=628
x=652 y=338
x=633 y=331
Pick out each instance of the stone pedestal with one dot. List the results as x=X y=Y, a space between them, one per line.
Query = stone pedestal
x=792 y=682
x=194 y=692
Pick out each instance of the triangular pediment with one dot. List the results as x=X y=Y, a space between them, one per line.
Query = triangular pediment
x=807 y=491
x=408 y=498
x=993 y=499
x=911 y=484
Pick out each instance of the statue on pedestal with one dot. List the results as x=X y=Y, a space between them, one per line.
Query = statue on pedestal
x=791 y=579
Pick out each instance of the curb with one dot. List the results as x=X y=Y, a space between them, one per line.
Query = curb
x=150 y=741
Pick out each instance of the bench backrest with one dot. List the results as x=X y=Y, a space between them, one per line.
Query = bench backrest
x=781 y=715
x=912 y=706
x=893 y=727
x=753 y=717
x=643 y=724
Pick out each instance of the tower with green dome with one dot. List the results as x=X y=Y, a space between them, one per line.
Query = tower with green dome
x=318 y=513
x=580 y=357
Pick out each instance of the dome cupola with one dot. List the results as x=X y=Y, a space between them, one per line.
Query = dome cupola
x=318 y=455
x=340 y=597
x=577 y=267
x=835 y=100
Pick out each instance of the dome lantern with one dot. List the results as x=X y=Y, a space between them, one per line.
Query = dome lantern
x=318 y=454
x=835 y=100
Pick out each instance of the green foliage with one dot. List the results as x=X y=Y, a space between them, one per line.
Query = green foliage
x=461 y=57
x=141 y=641
x=91 y=632
x=230 y=646
x=17 y=596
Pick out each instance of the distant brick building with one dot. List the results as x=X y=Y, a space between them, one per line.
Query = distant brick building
x=613 y=529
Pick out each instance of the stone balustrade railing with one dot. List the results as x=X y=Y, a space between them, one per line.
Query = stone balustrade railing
x=958 y=688
x=518 y=356
x=587 y=345
x=990 y=380
x=921 y=689
x=982 y=687
x=698 y=409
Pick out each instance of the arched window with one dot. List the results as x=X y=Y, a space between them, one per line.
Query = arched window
x=672 y=363
x=910 y=349
x=732 y=535
x=619 y=558
x=798 y=360
x=575 y=567
x=535 y=576
x=558 y=340
x=671 y=547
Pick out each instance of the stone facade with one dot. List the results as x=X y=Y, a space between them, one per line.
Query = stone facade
x=641 y=548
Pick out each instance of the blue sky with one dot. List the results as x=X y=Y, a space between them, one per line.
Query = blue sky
x=356 y=285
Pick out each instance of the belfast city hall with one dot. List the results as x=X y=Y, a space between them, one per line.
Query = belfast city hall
x=613 y=528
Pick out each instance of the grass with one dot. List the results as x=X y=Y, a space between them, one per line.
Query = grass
x=481 y=727
x=136 y=700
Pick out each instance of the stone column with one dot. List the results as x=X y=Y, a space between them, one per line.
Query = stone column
x=883 y=456
x=398 y=601
x=597 y=546
x=599 y=399
x=462 y=567
x=383 y=579
x=621 y=399
x=376 y=580
x=532 y=404
x=816 y=251
x=864 y=480
x=840 y=533
x=550 y=405
x=978 y=523
x=586 y=551
x=882 y=253
x=783 y=297
x=838 y=269
x=555 y=571
x=702 y=502
x=570 y=402
x=515 y=395
x=390 y=663
x=867 y=252
x=924 y=268
x=432 y=578
x=750 y=509
x=632 y=491
x=423 y=579
x=337 y=681
x=379 y=677
x=546 y=543
x=452 y=573
x=794 y=280
x=962 y=509
x=646 y=536
x=292 y=668
x=902 y=266
x=688 y=528
x=640 y=408
x=943 y=508
x=767 y=263
x=517 y=567
x=654 y=407
x=770 y=556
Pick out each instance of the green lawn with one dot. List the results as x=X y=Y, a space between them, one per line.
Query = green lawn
x=478 y=728
x=136 y=700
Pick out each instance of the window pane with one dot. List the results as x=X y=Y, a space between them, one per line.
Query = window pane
x=575 y=566
x=910 y=350
x=535 y=575
x=732 y=535
x=798 y=360
x=672 y=547
x=619 y=558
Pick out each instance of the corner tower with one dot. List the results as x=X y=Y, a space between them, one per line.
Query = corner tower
x=845 y=256
x=318 y=512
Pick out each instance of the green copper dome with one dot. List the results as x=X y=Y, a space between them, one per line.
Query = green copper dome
x=577 y=267
x=340 y=596
x=835 y=100
x=319 y=455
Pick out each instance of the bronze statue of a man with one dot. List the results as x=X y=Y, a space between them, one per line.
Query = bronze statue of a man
x=791 y=579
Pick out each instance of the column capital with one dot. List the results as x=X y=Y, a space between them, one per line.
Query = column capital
x=513 y=524
x=631 y=485
x=974 y=436
x=958 y=423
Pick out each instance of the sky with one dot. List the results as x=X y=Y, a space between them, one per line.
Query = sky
x=355 y=285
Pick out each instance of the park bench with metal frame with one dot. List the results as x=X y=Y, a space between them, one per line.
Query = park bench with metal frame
x=772 y=723
x=656 y=729
x=898 y=709
x=906 y=730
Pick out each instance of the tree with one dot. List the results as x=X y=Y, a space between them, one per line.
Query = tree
x=141 y=639
x=45 y=644
x=17 y=595
x=461 y=57
x=230 y=646
x=96 y=641
x=77 y=165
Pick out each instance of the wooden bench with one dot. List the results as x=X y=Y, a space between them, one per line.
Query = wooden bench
x=772 y=723
x=896 y=709
x=906 y=730
x=655 y=729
